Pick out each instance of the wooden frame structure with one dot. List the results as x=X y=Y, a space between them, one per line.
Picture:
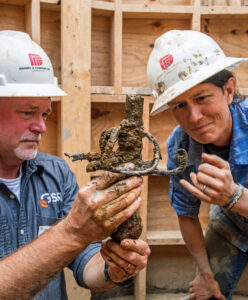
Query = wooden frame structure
x=99 y=49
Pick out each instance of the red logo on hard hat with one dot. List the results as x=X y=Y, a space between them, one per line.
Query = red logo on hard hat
x=166 y=61
x=35 y=60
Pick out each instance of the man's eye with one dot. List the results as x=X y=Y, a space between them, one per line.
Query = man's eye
x=202 y=98
x=26 y=113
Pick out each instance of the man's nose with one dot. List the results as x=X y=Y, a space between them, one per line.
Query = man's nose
x=38 y=125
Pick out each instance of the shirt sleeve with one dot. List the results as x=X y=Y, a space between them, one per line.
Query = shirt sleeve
x=183 y=202
x=70 y=190
x=79 y=263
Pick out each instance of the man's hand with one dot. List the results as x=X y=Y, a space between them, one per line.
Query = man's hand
x=101 y=206
x=204 y=287
x=125 y=260
x=213 y=183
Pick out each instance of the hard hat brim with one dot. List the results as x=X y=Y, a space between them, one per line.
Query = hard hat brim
x=161 y=103
x=31 y=90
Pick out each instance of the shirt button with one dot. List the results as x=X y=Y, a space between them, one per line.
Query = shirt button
x=22 y=231
x=12 y=196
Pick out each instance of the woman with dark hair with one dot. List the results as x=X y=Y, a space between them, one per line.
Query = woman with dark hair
x=190 y=74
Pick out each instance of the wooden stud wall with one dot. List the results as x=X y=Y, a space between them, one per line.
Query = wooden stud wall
x=99 y=50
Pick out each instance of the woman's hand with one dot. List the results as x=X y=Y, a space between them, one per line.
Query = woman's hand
x=213 y=182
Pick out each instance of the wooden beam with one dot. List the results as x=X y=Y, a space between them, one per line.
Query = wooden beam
x=157 y=8
x=103 y=90
x=167 y=237
x=224 y=10
x=116 y=48
x=32 y=19
x=137 y=90
x=140 y=280
x=97 y=98
x=236 y=3
x=125 y=90
x=196 y=17
x=140 y=285
x=75 y=77
x=102 y=5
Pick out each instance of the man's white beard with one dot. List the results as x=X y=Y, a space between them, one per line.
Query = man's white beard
x=28 y=153
x=25 y=154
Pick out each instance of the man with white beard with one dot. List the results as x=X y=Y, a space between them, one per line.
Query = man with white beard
x=46 y=221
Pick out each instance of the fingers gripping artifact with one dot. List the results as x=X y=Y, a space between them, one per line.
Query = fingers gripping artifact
x=128 y=135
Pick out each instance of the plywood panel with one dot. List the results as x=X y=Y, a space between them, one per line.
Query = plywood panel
x=161 y=215
x=170 y=268
x=104 y=117
x=161 y=126
x=50 y=38
x=12 y=17
x=138 y=38
x=100 y=59
x=232 y=35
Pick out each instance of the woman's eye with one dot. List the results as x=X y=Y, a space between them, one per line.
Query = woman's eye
x=178 y=106
x=181 y=105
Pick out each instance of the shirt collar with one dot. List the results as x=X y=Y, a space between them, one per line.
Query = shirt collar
x=34 y=165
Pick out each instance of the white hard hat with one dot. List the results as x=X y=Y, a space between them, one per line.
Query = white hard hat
x=180 y=60
x=25 y=69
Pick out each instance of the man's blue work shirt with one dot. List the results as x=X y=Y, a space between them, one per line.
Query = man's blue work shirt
x=229 y=224
x=48 y=189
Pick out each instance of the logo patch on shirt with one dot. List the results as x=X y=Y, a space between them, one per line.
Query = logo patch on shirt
x=44 y=203
x=48 y=198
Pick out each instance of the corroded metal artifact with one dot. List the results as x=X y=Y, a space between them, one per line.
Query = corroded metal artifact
x=128 y=135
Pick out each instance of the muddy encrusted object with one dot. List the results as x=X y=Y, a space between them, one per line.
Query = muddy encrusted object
x=128 y=135
x=130 y=229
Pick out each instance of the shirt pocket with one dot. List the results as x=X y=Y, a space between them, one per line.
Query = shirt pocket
x=44 y=223
x=5 y=237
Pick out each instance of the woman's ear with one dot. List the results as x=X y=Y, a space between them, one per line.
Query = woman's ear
x=229 y=89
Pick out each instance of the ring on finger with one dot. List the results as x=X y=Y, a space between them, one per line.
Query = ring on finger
x=203 y=188
x=128 y=266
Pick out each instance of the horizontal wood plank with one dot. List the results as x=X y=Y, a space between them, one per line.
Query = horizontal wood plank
x=168 y=237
